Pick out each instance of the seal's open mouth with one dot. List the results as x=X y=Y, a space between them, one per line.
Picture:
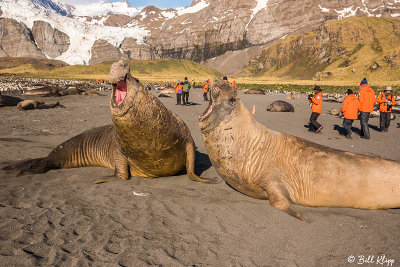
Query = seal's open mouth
x=208 y=112
x=120 y=92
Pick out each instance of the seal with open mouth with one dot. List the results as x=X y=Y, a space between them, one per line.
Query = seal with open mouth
x=145 y=139
x=265 y=164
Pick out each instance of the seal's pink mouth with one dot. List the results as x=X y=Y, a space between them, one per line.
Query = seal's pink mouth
x=202 y=118
x=120 y=92
x=119 y=96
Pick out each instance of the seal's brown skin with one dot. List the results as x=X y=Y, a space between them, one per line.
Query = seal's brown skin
x=265 y=164
x=280 y=106
x=145 y=140
x=6 y=100
x=33 y=104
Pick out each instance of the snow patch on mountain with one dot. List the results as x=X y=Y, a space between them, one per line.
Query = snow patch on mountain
x=82 y=35
x=104 y=8
x=192 y=9
x=261 y=4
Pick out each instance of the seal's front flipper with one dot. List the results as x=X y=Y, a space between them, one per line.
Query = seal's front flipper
x=278 y=200
x=190 y=159
x=121 y=166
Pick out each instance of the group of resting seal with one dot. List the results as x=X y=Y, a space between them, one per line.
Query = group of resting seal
x=148 y=140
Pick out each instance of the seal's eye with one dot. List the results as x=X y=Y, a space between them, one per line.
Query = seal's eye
x=232 y=101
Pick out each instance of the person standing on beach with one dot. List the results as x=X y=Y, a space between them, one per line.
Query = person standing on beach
x=366 y=96
x=185 y=92
x=206 y=85
x=316 y=107
x=350 y=109
x=386 y=100
x=178 y=90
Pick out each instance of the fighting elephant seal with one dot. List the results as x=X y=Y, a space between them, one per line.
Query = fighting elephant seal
x=280 y=106
x=265 y=164
x=145 y=140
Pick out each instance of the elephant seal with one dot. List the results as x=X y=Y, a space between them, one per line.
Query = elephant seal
x=334 y=112
x=255 y=92
x=280 y=106
x=164 y=95
x=266 y=164
x=70 y=91
x=145 y=140
x=169 y=91
x=6 y=100
x=33 y=104
x=42 y=91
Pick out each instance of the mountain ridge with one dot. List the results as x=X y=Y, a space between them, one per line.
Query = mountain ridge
x=199 y=32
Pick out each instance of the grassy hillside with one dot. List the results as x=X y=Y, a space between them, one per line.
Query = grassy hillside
x=337 y=52
x=147 y=70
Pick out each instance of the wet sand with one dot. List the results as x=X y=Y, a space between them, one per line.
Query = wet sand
x=62 y=218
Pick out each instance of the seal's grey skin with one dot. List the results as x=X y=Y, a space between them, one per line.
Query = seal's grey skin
x=6 y=100
x=265 y=164
x=280 y=106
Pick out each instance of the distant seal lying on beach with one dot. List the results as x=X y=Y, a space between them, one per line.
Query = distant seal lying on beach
x=255 y=92
x=170 y=91
x=280 y=106
x=33 y=104
x=6 y=100
x=145 y=140
x=265 y=164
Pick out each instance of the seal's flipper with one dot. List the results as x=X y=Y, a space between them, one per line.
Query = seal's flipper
x=190 y=159
x=39 y=165
x=278 y=200
x=105 y=180
x=121 y=166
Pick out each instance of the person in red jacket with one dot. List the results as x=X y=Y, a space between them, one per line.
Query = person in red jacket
x=316 y=106
x=366 y=96
x=386 y=100
x=350 y=108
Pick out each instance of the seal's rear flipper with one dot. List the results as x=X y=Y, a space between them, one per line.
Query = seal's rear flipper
x=278 y=200
x=39 y=165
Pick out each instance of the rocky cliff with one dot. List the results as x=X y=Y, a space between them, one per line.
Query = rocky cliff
x=16 y=40
x=104 y=51
x=51 y=41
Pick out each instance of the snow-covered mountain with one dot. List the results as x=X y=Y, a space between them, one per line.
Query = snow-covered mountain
x=103 y=8
x=82 y=35
x=87 y=34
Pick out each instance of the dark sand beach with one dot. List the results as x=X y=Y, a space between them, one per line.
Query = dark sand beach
x=62 y=218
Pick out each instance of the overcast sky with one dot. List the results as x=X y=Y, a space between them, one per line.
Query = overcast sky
x=140 y=3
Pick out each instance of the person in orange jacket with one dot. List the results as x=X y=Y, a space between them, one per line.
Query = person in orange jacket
x=206 y=85
x=234 y=84
x=386 y=100
x=178 y=91
x=316 y=106
x=350 y=109
x=366 y=96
